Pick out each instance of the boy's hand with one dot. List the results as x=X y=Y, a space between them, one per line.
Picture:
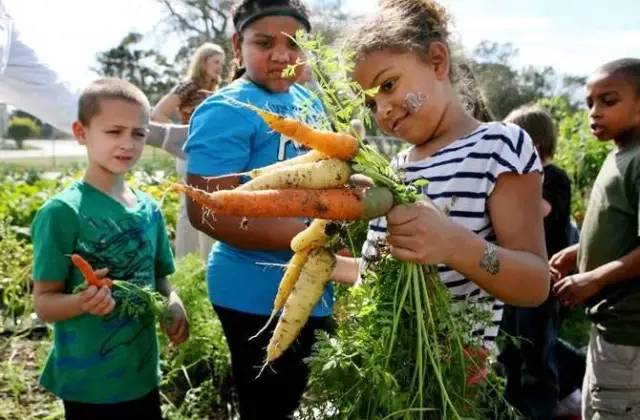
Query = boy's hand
x=96 y=301
x=575 y=289
x=563 y=262
x=177 y=328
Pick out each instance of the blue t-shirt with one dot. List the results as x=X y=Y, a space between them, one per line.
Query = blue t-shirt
x=226 y=137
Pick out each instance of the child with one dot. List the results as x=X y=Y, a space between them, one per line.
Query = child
x=225 y=138
x=103 y=366
x=607 y=256
x=490 y=247
x=531 y=365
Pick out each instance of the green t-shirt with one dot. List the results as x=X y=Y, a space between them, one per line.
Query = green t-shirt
x=101 y=359
x=610 y=231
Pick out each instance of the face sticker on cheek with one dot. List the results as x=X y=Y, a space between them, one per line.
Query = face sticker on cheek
x=414 y=101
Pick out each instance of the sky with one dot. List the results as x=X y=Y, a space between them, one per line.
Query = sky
x=573 y=36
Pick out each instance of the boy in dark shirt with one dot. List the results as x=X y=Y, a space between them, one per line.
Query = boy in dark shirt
x=530 y=363
x=608 y=255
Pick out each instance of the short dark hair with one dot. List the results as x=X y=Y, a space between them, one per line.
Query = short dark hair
x=108 y=88
x=629 y=68
x=539 y=125
x=247 y=11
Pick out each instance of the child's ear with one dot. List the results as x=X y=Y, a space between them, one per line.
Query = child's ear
x=236 y=44
x=79 y=132
x=439 y=59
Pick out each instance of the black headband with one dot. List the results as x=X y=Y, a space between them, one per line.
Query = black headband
x=274 y=11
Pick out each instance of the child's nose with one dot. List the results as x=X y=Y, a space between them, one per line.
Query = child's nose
x=281 y=55
x=384 y=111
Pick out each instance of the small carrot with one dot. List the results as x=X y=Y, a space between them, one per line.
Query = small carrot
x=332 y=204
x=88 y=273
x=337 y=145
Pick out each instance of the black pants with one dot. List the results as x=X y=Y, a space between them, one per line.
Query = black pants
x=147 y=407
x=276 y=393
x=531 y=363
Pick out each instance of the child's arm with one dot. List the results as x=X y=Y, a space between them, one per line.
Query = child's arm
x=165 y=107
x=515 y=272
x=258 y=233
x=169 y=137
x=577 y=288
x=346 y=270
x=52 y=304
x=178 y=328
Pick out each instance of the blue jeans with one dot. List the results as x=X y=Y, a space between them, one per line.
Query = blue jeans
x=529 y=358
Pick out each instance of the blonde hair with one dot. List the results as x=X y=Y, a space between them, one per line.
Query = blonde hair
x=108 y=88
x=197 y=72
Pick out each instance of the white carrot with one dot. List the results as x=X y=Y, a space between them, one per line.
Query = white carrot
x=329 y=173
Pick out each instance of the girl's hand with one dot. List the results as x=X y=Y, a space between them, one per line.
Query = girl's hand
x=420 y=233
x=575 y=289
x=563 y=262
x=177 y=329
x=96 y=301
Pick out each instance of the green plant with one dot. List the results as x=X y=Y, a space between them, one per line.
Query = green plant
x=15 y=275
x=195 y=373
x=21 y=128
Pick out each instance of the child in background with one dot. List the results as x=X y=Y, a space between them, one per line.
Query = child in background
x=244 y=268
x=490 y=244
x=101 y=366
x=531 y=364
x=608 y=256
x=202 y=79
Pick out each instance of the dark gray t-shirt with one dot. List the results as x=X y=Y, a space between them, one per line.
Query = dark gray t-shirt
x=610 y=231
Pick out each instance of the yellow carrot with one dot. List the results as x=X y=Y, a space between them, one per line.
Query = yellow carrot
x=315 y=274
x=332 y=204
x=313 y=236
x=287 y=283
x=312 y=156
x=337 y=145
x=328 y=173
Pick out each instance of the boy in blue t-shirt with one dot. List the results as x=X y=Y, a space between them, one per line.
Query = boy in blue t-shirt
x=101 y=365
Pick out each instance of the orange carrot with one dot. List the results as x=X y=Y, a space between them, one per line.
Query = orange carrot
x=332 y=204
x=337 y=145
x=88 y=273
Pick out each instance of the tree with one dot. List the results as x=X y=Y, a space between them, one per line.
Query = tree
x=199 y=21
x=504 y=87
x=147 y=69
x=22 y=128
x=330 y=19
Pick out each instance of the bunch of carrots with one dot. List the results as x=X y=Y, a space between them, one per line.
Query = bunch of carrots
x=132 y=300
x=312 y=185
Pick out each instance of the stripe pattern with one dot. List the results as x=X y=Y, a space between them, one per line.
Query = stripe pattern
x=461 y=178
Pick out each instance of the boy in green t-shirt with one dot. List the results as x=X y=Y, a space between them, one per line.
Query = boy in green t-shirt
x=608 y=255
x=102 y=365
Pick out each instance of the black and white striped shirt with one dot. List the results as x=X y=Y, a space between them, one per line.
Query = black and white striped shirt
x=461 y=178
